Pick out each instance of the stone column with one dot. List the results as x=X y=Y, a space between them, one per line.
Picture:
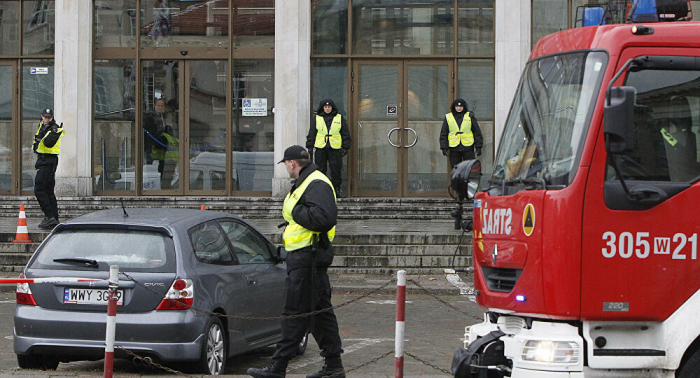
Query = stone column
x=513 y=36
x=292 y=83
x=73 y=95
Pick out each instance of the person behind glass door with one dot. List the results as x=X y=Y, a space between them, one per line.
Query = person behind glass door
x=164 y=143
x=328 y=141
x=47 y=146
x=460 y=134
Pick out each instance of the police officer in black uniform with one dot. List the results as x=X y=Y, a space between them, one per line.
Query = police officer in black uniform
x=460 y=134
x=330 y=137
x=47 y=146
x=310 y=212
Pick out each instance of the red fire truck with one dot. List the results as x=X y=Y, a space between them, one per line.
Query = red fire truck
x=585 y=239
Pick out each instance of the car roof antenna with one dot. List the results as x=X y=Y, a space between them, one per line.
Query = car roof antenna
x=123 y=208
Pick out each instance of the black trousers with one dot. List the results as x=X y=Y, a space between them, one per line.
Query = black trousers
x=298 y=301
x=457 y=156
x=329 y=157
x=44 y=184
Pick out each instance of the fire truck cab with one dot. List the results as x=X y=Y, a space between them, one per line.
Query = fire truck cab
x=585 y=242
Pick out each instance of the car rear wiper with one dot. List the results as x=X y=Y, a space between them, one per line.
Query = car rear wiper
x=78 y=261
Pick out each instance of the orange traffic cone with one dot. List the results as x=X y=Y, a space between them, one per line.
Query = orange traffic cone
x=202 y=208
x=22 y=235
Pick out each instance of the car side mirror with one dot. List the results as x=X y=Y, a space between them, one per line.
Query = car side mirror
x=465 y=178
x=281 y=253
x=619 y=119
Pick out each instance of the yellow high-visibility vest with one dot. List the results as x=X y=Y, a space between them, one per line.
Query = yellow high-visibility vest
x=170 y=152
x=461 y=133
x=323 y=135
x=296 y=236
x=56 y=149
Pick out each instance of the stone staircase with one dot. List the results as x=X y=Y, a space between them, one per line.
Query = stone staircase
x=375 y=235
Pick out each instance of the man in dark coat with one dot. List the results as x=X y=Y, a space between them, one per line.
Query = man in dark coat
x=328 y=141
x=460 y=134
x=47 y=146
x=311 y=213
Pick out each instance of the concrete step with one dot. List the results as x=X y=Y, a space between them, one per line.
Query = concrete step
x=401 y=250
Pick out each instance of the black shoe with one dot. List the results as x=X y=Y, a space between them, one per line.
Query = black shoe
x=51 y=223
x=42 y=224
x=276 y=369
x=332 y=368
x=339 y=193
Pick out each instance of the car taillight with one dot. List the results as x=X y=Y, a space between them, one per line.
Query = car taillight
x=24 y=293
x=179 y=297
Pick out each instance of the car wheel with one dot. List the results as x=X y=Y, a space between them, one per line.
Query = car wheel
x=690 y=368
x=302 y=345
x=214 y=348
x=37 y=362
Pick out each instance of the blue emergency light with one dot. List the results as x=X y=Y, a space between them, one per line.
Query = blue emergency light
x=659 y=10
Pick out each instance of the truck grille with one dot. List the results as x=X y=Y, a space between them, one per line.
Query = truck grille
x=501 y=279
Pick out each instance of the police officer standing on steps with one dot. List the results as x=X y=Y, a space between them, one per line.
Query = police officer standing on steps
x=330 y=137
x=47 y=146
x=310 y=213
x=461 y=134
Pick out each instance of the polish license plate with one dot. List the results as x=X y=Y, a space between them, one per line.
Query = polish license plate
x=90 y=296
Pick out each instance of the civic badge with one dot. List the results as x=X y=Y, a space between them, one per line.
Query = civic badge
x=494 y=254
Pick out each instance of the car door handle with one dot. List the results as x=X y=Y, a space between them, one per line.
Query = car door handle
x=251 y=280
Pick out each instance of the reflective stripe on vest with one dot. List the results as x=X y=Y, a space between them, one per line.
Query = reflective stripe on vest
x=461 y=133
x=323 y=135
x=295 y=236
x=56 y=149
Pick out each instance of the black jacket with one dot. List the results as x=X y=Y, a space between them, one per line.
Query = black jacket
x=328 y=117
x=478 y=138
x=316 y=210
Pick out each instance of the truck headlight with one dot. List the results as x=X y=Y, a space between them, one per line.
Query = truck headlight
x=553 y=352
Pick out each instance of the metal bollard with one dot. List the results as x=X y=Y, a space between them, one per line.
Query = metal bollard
x=400 y=323
x=111 y=320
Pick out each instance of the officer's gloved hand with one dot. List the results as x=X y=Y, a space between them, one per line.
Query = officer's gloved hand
x=311 y=151
x=344 y=152
x=478 y=152
x=444 y=152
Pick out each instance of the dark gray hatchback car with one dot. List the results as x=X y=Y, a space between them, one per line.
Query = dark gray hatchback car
x=190 y=273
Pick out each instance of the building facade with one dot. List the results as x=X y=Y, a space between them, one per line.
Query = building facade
x=201 y=97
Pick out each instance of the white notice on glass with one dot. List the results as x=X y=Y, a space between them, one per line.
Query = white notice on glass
x=39 y=70
x=254 y=107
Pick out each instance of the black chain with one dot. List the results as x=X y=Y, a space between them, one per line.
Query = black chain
x=442 y=300
x=151 y=362
x=312 y=313
x=365 y=364
x=426 y=363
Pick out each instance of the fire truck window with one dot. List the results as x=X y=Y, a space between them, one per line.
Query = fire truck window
x=666 y=128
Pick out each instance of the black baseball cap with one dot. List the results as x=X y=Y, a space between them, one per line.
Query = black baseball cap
x=294 y=153
x=47 y=112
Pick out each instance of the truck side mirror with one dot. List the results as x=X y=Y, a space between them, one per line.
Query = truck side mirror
x=619 y=119
x=465 y=178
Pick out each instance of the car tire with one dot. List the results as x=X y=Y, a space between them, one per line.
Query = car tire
x=691 y=367
x=214 y=348
x=37 y=362
x=302 y=345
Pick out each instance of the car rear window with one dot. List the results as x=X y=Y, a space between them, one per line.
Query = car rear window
x=136 y=250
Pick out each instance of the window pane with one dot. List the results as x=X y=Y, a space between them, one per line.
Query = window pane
x=115 y=23
x=254 y=23
x=666 y=127
x=113 y=129
x=248 y=246
x=330 y=23
x=37 y=94
x=9 y=37
x=330 y=80
x=475 y=27
x=6 y=126
x=253 y=124
x=407 y=27
x=38 y=27
x=210 y=245
x=175 y=23
x=476 y=86
x=548 y=16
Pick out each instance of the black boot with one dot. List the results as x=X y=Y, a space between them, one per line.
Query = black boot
x=332 y=368
x=276 y=369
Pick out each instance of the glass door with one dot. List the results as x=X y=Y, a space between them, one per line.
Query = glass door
x=8 y=173
x=399 y=109
x=184 y=127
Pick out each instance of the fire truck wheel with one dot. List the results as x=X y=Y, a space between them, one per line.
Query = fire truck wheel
x=691 y=368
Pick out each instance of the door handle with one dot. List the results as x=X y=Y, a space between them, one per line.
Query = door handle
x=415 y=140
x=251 y=280
x=359 y=124
x=389 y=137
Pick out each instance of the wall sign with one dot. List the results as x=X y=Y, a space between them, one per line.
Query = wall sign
x=254 y=107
